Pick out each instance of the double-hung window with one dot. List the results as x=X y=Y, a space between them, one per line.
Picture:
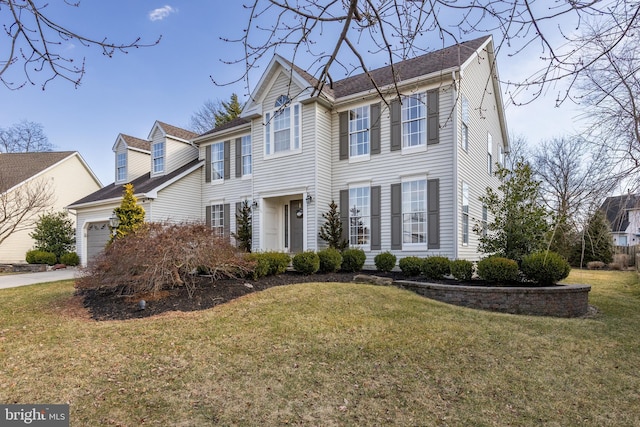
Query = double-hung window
x=465 y=213
x=282 y=127
x=464 y=141
x=217 y=219
x=414 y=211
x=485 y=220
x=489 y=153
x=217 y=161
x=121 y=166
x=157 y=155
x=245 y=147
x=414 y=120
x=359 y=216
x=359 y=126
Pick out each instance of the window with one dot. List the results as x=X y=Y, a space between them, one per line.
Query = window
x=414 y=211
x=465 y=124
x=246 y=155
x=282 y=127
x=217 y=161
x=465 y=213
x=359 y=216
x=157 y=154
x=485 y=219
x=489 y=154
x=414 y=120
x=121 y=166
x=359 y=131
x=217 y=219
x=501 y=155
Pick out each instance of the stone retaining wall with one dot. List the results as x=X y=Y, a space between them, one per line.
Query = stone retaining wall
x=557 y=301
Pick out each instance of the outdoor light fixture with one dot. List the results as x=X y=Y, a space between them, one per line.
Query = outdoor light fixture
x=254 y=204
x=309 y=198
x=114 y=222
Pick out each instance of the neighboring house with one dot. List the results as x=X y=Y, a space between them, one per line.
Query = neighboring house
x=166 y=177
x=406 y=173
x=65 y=176
x=623 y=214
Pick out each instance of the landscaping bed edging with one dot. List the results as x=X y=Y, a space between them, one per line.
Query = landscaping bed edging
x=556 y=301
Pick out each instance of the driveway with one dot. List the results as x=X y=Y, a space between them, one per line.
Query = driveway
x=22 y=279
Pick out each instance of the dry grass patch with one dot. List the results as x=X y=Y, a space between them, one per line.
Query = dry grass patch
x=327 y=354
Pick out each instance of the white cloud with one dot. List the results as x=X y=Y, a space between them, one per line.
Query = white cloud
x=161 y=13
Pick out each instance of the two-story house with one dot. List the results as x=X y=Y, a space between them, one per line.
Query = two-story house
x=623 y=214
x=166 y=175
x=405 y=171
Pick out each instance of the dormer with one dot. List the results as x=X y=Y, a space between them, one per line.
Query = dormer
x=170 y=148
x=132 y=158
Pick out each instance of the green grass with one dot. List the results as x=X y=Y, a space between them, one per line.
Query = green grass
x=329 y=355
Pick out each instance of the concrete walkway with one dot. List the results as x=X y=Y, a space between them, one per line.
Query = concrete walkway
x=22 y=279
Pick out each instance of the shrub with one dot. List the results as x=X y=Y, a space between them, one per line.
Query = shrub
x=461 y=269
x=435 y=267
x=353 y=260
x=260 y=265
x=278 y=262
x=54 y=232
x=70 y=258
x=385 y=261
x=411 y=266
x=545 y=268
x=498 y=269
x=595 y=265
x=306 y=262
x=330 y=260
x=37 y=256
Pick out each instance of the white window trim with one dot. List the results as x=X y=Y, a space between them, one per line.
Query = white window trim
x=268 y=133
x=465 y=186
x=414 y=246
x=163 y=156
x=360 y=157
x=242 y=156
x=221 y=179
x=464 y=124
x=224 y=220
x=422 y=147
x=124 y=168
x=366 y=184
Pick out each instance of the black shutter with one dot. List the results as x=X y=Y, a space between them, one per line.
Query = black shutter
x=207 y=164
x=396 y=216
x=227 y=159
x=344 y=135
x=396 y=125
x=376 y=243
x=374 y=111
x=344 y=213
x=207 y=216
x=227 y=220
x=238 y=157
x=432 y=117
x=433 y=213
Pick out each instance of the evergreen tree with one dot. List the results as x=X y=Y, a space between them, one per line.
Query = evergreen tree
x=596 y=243
x=54 y=233
x=519 y=223
x=130 y=214
x=228 y=110
x=331 y=230
x=244 y=226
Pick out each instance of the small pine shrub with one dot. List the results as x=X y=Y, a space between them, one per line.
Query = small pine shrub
x=40 y=257
x=278 y=262
x=498 y=269
x=353 y=260
x=545 y=268
x=462 y=269
x=385 y=261
x=330 y=260
x=70 y=258
x=435 y=267
x=306 y=262
x=411 y=266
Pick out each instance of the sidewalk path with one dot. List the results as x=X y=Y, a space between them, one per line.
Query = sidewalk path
x=22 y=279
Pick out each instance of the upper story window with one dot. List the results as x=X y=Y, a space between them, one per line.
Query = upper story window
x=414 y=211
x=489 y=153
x=465 y=124
x=245 y=145
x=359 y=216
x=414 y=120
x=359 y=131
x=217 y=161
x=121 y=166
x=157 y=156
x=282 y=127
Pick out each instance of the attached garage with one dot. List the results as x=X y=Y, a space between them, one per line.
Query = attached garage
x=98 y=234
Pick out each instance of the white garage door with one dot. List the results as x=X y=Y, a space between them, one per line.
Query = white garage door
x=97 y=237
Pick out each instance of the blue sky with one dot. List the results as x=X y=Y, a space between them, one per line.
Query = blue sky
x=169 y=82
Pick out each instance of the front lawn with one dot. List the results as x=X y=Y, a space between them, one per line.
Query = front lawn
x=327 y=354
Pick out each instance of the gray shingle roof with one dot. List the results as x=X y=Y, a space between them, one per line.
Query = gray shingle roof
x=18 y=167
x=138 y=143
x=177 y=132
x=617 y=210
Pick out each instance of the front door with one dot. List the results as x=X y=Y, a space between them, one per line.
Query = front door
x=296 y=222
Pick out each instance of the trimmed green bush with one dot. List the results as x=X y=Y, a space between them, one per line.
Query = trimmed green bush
x=545 y=268
x=36 y=256
x=498 y=269
x=435 y=267
x=278 y=261
x=261 y=265
x=306 y=262
x=411 y=266
x=70 y=258
x=353 y=260
x=330 y=260
x=385 y=261
x=461 y=269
